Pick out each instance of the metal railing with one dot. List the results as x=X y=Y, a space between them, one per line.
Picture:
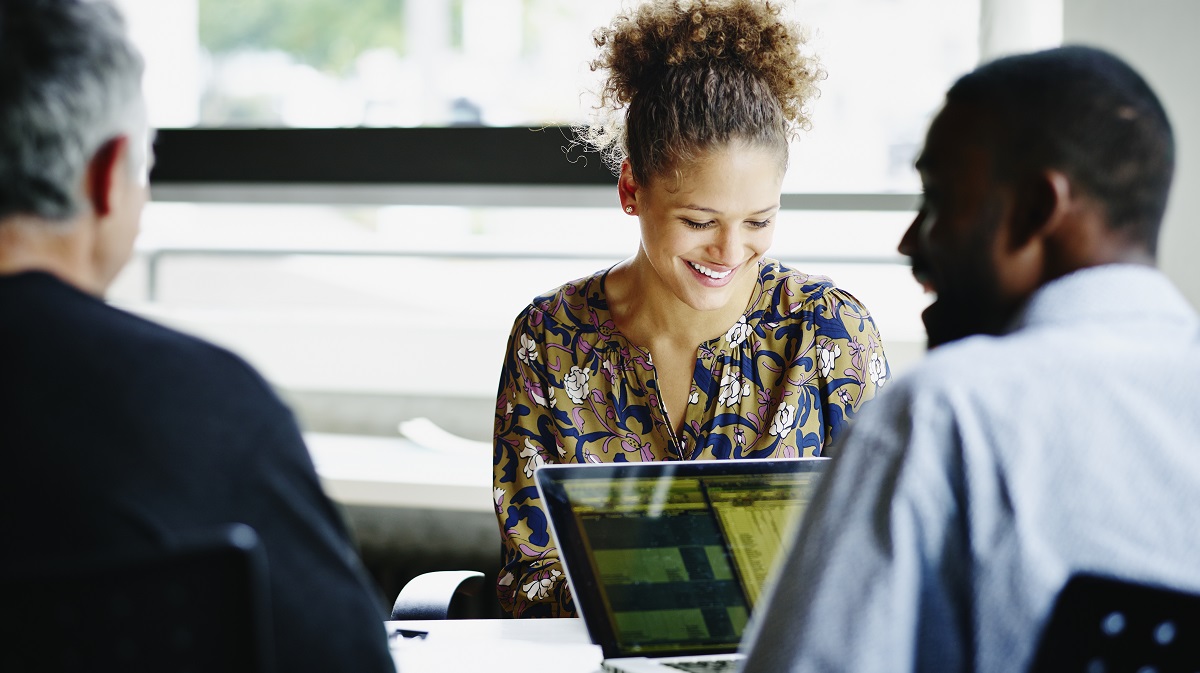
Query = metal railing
x=154 y=257
x=499 y=196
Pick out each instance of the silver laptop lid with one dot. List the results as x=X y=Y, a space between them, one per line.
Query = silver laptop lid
x=669 y=558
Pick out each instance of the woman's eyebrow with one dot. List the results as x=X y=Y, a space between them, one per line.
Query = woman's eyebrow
x=704 y=209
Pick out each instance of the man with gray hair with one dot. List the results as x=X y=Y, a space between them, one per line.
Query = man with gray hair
x=117 y=434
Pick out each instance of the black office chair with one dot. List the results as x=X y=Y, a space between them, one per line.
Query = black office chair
x=441 y=594
x=1106 y=625
x=201 y=606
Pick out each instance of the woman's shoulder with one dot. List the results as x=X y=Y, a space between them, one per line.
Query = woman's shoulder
x=572 y=302
x=790 y=292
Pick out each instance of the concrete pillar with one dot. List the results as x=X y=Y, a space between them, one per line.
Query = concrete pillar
x=1158 y=37
x=1016 y=26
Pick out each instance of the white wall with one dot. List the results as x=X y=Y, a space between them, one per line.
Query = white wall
x=1158 y=37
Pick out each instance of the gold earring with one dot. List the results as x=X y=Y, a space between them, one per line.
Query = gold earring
x=629 y=210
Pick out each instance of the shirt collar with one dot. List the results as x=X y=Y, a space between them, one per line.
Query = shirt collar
x=1107 y=293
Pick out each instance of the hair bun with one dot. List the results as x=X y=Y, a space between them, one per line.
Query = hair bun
x=640 y=45
x=686 y=75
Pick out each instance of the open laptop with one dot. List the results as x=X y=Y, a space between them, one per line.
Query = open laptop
x=666 y=560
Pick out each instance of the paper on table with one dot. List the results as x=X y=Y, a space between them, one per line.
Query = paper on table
x=430 y=435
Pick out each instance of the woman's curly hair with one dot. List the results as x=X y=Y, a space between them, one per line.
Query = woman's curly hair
x=684 y=75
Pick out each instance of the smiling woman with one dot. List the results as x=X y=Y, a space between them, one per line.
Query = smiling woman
x=698 y=346
x=313 y=250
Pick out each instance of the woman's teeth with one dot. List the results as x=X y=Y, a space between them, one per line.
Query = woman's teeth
x=709 y=272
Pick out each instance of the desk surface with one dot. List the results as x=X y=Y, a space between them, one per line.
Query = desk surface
x=495 y=645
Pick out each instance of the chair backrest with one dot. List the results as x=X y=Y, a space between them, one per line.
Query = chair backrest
x=440 y=594
x=1107 y=625
x=199 y=606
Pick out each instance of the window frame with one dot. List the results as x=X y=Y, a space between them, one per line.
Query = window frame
x=468 y=166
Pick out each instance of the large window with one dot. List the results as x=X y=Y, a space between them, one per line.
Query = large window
x=347 y=198
x=523 y=63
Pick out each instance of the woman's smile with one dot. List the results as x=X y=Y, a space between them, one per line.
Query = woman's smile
x=712 y=275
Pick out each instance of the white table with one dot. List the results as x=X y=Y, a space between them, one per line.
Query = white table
x=495 y=646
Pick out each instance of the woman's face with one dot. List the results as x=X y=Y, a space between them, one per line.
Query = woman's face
x=704 y=234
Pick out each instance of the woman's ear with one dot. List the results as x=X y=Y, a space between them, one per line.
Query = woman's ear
x=627 y=188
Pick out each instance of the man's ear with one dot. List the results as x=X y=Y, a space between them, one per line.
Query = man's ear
x=102 y=178
x=1043 y=200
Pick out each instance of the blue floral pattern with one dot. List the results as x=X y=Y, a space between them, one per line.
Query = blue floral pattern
x=783 y=381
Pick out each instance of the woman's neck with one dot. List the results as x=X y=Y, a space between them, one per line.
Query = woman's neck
x=647 y=312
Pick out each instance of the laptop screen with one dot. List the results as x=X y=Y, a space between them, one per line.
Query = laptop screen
x=670 y=558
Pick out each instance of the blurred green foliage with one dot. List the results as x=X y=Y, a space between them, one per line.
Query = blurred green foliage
x=302 y=28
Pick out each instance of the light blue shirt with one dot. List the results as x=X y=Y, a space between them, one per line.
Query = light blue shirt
x=967 y=493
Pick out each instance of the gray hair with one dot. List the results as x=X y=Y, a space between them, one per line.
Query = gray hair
x=70 y=81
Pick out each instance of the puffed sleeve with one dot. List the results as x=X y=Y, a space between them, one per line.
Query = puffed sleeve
x=531 y=582
x=851 y=365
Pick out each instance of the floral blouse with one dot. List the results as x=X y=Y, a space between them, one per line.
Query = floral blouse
x=783 y=381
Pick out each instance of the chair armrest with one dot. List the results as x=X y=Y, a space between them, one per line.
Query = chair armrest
x=437 y=595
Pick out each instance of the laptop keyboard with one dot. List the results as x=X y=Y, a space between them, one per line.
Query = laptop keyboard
x=708 y=665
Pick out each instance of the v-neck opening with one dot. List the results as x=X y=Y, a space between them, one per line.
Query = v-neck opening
x=706 y=350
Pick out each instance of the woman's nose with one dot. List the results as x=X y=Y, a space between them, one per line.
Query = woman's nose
x=727 y=245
